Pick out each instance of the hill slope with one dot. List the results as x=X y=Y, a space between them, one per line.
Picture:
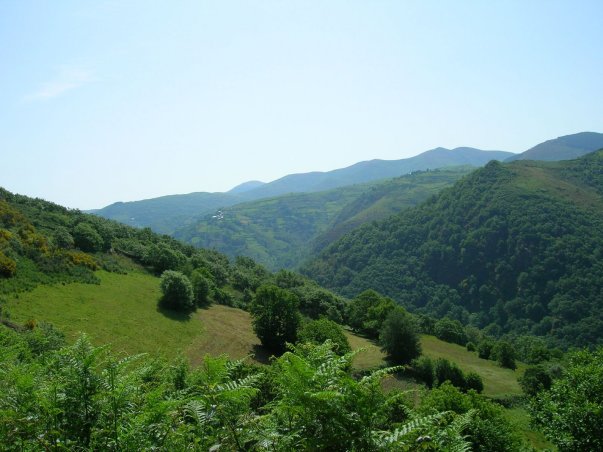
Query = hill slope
x=167 y=213
x=282 y=232
x=517 y=247
x=563 y=148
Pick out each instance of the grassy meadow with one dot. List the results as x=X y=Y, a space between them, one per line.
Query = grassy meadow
x=122 y=311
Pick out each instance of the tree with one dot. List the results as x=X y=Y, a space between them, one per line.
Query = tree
x=318 y=331
x=162 y=257
x=201 y=286
x=86 y=238
x=367 y=312
x=570 y=413
x=534 y=380
x=275 y=316
x=177 y=291
x=398 y=337
x=504 y=353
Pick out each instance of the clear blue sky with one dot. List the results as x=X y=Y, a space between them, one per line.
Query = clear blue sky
x=122 y=100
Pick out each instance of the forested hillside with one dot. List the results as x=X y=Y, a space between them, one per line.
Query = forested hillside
x=512 y=247
x=282 y=232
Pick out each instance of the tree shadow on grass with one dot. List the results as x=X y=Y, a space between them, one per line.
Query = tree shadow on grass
x=173 y=314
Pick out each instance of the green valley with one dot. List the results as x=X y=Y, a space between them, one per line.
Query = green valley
x=282 y=232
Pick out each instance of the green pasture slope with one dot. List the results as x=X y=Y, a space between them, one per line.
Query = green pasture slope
x=122 y=311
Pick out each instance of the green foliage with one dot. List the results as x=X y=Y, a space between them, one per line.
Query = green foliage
x=177 y=291
x=423 y=369
x=8 y=266
x=87 y=238
x=321 y=330
x=484 y=348
x=367 y=311
x=316 y=302
x=162 y=257
x=82 y=397
x=515 y=247
x=534 y=380
x=488 y=429
x=399 y=338
x=446 y=370
x=450 y=330
x=275 y=317
x=570 y=413
x=504 y=353
x=201 y=286
x=282 y=232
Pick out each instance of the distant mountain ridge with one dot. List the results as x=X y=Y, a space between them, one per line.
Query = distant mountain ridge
x=372 y=170
x=283 y=231
x=563 y=148
x=168 y=213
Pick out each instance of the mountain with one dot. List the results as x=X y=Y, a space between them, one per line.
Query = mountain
x=376 y=169
x=563 y=148
x=516 y=248
x=246 y=186
x=284 y=231
x=167 y=213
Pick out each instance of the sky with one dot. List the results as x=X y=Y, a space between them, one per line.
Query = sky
x=105 y=101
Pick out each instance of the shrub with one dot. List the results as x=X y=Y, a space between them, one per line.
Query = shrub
x=474 y=381
x=423 y=370
x=504 y=353
x=449 y=371
x=534 y=380
x=177 y=291
x=201 y=287
x=318 y=331
x=450 y=331
x=8 y=267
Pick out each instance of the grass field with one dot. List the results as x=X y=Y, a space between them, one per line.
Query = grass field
x=122 y=311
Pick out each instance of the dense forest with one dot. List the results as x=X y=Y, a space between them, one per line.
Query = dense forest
x=511 y=248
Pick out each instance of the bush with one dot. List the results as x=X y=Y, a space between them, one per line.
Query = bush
x=318 y=331
x=534 y=380
x=450 y=331
x=201 y=287
x=474 y=381
x=449 y=371
x=484 y=348
x=177 y=291
x=570 y=413
x=8 y=267
x=423 y=370
x=504 y=353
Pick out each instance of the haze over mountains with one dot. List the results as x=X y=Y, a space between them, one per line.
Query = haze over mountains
x=563 y=148
x=167 y=213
